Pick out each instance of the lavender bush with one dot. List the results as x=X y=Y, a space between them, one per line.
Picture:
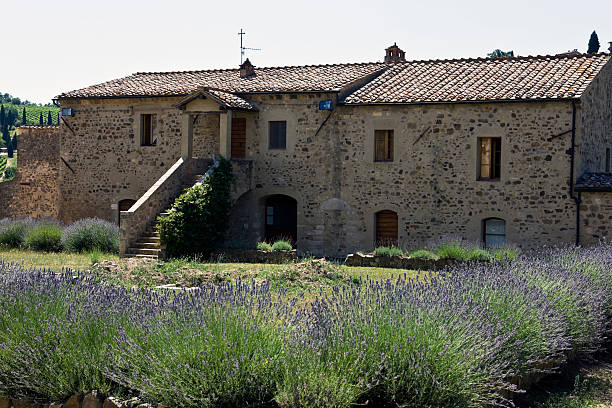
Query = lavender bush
x=461 y=338
x=90 y=234
x=13 y=231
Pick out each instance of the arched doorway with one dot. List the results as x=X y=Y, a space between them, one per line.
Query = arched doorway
x=280 y=218
x=124 y=205
x=386 y=228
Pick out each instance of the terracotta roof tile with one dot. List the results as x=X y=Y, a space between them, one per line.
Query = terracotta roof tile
x=482 y=79
x=594 y=182
x=310 y=78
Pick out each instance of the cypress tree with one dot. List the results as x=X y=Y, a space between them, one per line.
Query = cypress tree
x=2 y=116
x=24 y=120
x=49 y=120
x=14 y=142
x=593 y=44
x=10 y=118
x=5 y=135
x=9 y=148
x=41 y=119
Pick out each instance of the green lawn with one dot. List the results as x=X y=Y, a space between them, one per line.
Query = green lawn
x=54 y=261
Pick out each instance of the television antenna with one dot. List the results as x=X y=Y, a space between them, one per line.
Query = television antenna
x=242 y=47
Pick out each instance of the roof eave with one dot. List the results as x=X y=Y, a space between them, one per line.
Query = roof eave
x=575 y=99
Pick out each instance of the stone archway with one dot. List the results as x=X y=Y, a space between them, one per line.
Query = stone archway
x=280 y=218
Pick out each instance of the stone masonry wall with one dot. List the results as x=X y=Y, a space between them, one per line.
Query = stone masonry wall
x=594 y=133
x=101 y=144
x=595 y=217
x=34 y=190
x=431 y=184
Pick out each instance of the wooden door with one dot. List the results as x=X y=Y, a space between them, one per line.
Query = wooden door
x=238 y=138
x=386 y=228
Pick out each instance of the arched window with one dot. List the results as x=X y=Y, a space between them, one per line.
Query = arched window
x=493 y=232
x=124 y=205
x=386 y=228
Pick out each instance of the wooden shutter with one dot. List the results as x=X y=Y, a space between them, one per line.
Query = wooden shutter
x=146 y=129
x=496 y=157
x=485 y=158
x=278 y=135
x=379 y=136
x=386 y=228
x=238 y=138
x=390 y=145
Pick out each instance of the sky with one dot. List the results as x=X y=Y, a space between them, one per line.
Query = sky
x=58 y=46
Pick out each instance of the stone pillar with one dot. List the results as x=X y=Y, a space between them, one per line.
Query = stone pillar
x=225 y=134
x=186 y=135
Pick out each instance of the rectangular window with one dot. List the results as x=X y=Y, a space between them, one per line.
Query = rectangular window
x=494 y=233
x=146 y=130
x=608 y=159
x=278 y=134
x=383 y=145
x=489 y=157
x=269 y=215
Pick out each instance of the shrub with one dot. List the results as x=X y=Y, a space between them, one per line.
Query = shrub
x=505 y=253
x=91 y=234
x=13 y=231
x=264 y=246
x=199 y=218
x=388 y=251
x=423 y=254
x=452 y=250
x=44 y=236
x=10 y=172
x=456 y=339
x=282 y=245
x=478 y=254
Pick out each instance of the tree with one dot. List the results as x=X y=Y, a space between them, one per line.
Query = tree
x=49 y=120
x=41 y=119
x=593 y=44
x=2 y=116
x=500 y=54
x=14 y=142
x=6 y=137
x=9 y=148
x=24 y=119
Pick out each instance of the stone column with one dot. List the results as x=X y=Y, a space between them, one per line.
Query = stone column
x=186 y=135
x=225 y=134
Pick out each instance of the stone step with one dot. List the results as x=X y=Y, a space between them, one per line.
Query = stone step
x=140 y=256
x=144 y=251
x=146 y=245
x=150 y=238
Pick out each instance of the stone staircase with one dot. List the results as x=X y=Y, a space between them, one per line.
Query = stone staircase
x=148 y=245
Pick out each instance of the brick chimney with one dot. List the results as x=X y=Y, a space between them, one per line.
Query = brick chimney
x=395 y=54
x=247 y=70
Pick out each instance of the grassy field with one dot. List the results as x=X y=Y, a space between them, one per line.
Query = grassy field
x=307 y=275
x=54 y=261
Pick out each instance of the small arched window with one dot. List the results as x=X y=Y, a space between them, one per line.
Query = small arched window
x=124 y=205
x=493 y=232
x=386 y=228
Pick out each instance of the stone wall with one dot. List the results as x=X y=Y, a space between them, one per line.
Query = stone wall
x=595 y=217
x=34 y=190
x=594 y=133
x=101 y=143
x=432 y=183
x=329 y=169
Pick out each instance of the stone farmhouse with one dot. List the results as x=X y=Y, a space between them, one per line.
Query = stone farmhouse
x=341 y=157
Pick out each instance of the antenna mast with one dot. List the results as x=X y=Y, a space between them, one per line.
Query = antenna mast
x=242 y=47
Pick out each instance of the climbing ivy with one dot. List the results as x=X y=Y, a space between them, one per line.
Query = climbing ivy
x=199 y=218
